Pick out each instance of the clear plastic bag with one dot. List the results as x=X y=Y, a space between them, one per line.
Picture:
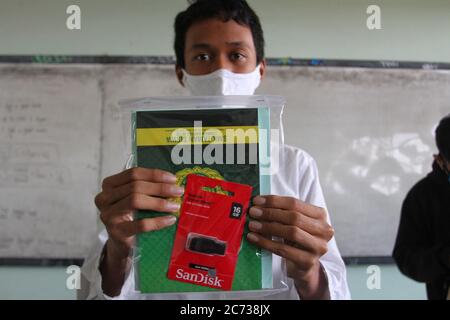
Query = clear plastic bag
x=234 y=139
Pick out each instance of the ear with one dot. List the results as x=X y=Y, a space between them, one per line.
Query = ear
x=262 y=68
x=438 y=160
x=179 y=73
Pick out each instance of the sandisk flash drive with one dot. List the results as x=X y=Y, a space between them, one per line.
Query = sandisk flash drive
x=205 y=245
x=209 y=232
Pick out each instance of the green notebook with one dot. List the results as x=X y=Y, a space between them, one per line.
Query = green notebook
x=197 y=148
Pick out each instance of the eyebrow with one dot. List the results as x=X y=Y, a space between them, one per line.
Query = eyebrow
x=238 y=44
x=208 y=46
x=200 y=46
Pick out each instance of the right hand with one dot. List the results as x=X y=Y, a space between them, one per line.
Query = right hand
x=131 y=190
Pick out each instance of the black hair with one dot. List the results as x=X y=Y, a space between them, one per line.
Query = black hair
x=200 y=10
x=443 y=137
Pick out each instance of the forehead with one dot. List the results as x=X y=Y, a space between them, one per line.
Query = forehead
x=217 y=33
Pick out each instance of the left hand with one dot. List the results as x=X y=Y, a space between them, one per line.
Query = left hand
x=303 y=227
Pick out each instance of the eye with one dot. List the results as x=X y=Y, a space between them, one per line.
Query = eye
x=202 y=57
x=237 y=56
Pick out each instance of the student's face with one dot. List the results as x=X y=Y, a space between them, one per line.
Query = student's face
x=213 y=44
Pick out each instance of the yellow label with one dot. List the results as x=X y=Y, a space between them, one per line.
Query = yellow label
x=196 y=135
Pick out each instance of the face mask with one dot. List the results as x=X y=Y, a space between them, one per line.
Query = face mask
x=222 y=83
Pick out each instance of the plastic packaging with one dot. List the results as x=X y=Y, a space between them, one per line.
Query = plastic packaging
x=223 y=150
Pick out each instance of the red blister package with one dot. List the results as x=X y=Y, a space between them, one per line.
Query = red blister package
x=209 y=232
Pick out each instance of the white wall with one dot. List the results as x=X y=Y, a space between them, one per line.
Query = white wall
x=50 y=283
x=333 y=29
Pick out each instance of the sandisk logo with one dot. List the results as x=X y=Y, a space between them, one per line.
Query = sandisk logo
x=199 y=278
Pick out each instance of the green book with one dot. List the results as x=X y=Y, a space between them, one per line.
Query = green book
x=217 y=143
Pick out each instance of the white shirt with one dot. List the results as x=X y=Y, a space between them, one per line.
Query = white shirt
x=298 y=177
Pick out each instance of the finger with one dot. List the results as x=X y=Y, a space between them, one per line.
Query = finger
x=101 y=201
x=136 y=174
x=131 y=228
x=291 y=233
x=303 y=259
x=111 y=196
x=138 y=201
x=293 y=218
x=290 y=203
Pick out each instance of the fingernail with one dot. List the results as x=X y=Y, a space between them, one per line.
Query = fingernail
x=255 y=225
x=172 y=206
x=259 y=201
x=170 y=220
x=252 y=237
x=255 y=212
x=177 y=190
x=168 y=177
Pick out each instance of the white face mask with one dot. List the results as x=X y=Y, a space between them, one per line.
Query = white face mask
x=223 y=83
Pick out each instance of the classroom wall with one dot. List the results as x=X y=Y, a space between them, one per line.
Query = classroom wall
x=330 y=29
x=412 y=31
x=50 y=283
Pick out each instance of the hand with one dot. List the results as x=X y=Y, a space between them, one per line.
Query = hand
x=131 y=190
x=306 y=233
x=122 y=194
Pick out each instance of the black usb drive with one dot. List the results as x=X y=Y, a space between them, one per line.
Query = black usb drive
x=206 y=245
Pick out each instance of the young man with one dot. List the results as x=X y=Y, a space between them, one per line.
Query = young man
x=422 y=249
x=219 y=47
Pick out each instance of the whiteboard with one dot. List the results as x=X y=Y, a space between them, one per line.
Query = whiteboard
x=50 y=155
x=370 y=131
